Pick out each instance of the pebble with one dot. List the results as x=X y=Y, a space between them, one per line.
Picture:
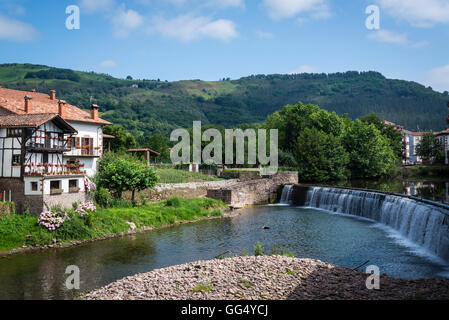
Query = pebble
x=314 y=280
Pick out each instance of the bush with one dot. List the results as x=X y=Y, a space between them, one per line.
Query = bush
x=103 y=197
x=173 y=202
x=74 y=228
x=258 y=249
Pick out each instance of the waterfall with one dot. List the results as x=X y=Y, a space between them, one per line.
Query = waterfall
x=423 y=224
x=286 y=197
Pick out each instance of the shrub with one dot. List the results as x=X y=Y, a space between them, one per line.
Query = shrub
x=258 y=249
x=84 y=209
x=103 y=197
x=74 y=228
x=52 y=220
x=173 y=202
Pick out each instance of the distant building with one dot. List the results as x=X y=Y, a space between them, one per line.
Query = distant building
x=410 y=141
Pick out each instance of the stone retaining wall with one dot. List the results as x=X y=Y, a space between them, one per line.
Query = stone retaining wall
x=182 y=190
x=260 y=191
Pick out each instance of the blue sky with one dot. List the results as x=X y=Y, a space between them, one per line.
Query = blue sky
x=212 y=39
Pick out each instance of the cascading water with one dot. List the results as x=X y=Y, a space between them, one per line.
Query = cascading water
x=286 y=197
x=423 y=224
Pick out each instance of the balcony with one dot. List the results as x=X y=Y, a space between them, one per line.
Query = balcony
x=54 y=170
x=83 y=152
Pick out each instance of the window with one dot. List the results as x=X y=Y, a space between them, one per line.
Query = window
x=87 y=145
x=73 y=183
x=11 y=133
x=54 y=185
x=16 y=160
x=34 y=186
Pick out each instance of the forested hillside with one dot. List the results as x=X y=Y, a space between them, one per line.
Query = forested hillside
x=146 y=107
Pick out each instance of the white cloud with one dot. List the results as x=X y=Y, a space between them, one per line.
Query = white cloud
x=418 y=13
x=438 y=78
x=108 y=64
x=395 y=38
x=91 y=6
x=265 y=35
x=283 y=9
x=17 y=31
x=125 y=20
x=189 y=27
x=304 y=69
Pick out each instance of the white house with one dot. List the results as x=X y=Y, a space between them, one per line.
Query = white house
x=47 y=148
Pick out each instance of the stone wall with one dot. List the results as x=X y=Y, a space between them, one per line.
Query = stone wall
x=182 y=190
x=35 y=204
x=65 y=200
x=259 y=191
x=242 y=176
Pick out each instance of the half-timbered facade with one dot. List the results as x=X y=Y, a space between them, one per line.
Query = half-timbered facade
x=47 y=148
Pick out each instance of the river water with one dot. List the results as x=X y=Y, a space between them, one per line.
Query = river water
x=310 y=233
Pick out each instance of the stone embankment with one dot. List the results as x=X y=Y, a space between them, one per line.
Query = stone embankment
x=269 y=278
x=183 y=190
x=253 y=191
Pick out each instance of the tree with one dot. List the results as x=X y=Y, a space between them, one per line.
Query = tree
x=389 y=131
x=158 y=143
x=320 y=156
x=119 y=175
x=123 y=139
x=370 y=154
x=129 y=78
x=429 y=147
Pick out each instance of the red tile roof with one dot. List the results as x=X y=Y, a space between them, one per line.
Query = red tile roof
x=13 y=100
x=34 y=120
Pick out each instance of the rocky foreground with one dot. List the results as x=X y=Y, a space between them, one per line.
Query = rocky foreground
x=268 y=277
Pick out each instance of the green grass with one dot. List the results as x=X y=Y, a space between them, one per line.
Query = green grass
x=167 y=175
x=247 y=284
x=203 y=287
x=16 y=231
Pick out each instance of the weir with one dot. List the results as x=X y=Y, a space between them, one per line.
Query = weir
x=421 y=222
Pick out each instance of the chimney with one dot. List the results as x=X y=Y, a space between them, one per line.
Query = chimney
x=28 y=107
x=52 y=95
x=94 y=113
x=61 y=108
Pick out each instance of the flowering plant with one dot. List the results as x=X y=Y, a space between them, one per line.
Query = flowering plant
x=52 y=220
x=89 y=184
x=86 y=208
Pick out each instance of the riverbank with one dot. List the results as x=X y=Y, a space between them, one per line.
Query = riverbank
x=266 y=278
x=22 y=233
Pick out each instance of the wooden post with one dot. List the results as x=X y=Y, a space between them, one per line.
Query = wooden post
x=147 y=156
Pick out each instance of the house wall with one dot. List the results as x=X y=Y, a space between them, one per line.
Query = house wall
x=6 y=167
x=88 y=130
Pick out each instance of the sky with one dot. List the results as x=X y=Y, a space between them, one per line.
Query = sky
x=214 y=39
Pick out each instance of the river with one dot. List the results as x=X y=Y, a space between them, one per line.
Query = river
x=310 y=233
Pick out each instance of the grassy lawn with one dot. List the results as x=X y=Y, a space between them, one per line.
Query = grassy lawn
x=167 y=175
x=16 y=231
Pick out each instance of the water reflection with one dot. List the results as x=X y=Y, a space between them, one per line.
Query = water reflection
x=430 y=190
x=305 y=232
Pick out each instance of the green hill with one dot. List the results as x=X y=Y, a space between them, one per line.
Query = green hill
x=158 y=107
